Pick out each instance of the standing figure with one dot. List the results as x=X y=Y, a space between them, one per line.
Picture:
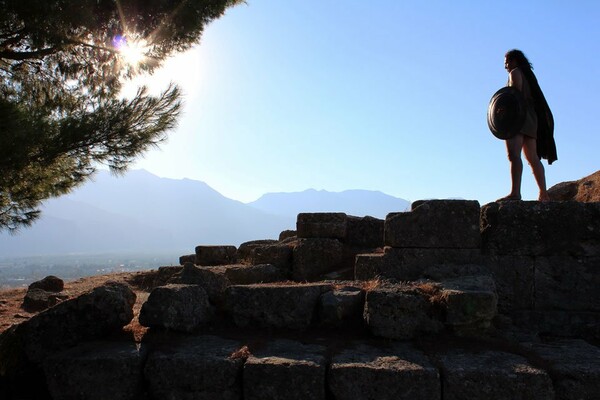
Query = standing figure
x=536 y=138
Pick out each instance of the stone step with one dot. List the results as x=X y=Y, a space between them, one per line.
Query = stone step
x=208 y=366
x=464 y=306
x=435 y=224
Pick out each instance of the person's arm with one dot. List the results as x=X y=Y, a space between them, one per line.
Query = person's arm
x=515 y=78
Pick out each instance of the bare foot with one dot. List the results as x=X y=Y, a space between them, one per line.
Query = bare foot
x=510 y=197
x=544 y=197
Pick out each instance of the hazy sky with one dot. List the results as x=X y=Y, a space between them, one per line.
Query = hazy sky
x=387 y=95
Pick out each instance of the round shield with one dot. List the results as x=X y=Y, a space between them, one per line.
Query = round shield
x=506 y=113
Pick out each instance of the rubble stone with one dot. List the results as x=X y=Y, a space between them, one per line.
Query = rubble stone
x=38 y=300
x=96 y=314
x=50 y=283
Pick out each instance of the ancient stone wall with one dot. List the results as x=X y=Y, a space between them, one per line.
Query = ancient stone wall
x=450 y=300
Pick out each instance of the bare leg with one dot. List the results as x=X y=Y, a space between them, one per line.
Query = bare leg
x=530 y=150
x=513 y=148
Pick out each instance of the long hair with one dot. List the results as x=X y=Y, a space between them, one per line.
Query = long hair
x=519 y=57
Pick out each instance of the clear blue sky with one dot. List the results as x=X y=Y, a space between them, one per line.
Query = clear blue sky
x=385 y=95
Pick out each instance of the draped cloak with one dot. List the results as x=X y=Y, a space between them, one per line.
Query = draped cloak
x=546 y=148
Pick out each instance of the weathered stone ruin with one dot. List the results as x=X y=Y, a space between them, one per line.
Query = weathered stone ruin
x=448 y=301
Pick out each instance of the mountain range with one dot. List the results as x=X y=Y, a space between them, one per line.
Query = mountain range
x=144 y=213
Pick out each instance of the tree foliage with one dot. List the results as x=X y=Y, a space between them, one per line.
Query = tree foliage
x=61 y=73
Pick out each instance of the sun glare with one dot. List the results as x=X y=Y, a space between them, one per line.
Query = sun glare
x=132 y=51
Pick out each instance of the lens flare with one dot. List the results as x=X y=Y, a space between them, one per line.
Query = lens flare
x=132 y=51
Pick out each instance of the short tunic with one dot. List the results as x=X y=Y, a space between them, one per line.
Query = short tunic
x=530 y=126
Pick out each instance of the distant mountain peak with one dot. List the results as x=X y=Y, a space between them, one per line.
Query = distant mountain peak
x=353 y=202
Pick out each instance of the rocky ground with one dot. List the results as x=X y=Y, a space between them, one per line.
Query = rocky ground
x=11 y=300
x=585 y=190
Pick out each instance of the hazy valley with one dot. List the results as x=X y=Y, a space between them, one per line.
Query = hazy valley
x=141 y=221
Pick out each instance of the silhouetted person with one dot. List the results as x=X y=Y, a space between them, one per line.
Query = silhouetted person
x=536 y=137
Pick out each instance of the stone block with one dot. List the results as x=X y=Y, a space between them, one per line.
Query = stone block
x=43 y=294
x=397 y=371
x=199 y=367
x=241 y=274
x=313 y=258
x=278 y=254
x=188 y=258
x=567 y=283
x=492 y=375
x=38 y=300
x=514 y=277
x=532 y=228
x=287 y=234
x=365 y=232
x=50 y=283
x=574 y=366
x=177 y=307
x=470 y=303
x=400 y=312
x=321 y=225
x=371 y=266
x=245 y=250
x=148 y=280
x=285 y=370
x=411 y=264
x=435 y=224
x=283 y=306
x=215 y=255
x=93 y=315
x=213 y=283
x=96 y=370
x=559 y=323
x=341 y=307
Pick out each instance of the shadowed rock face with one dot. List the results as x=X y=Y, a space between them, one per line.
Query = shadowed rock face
x=92 y=315
x=178 y=307
x=586 y=190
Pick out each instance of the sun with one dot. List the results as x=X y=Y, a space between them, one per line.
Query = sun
x=132 y=51
x=186 y=69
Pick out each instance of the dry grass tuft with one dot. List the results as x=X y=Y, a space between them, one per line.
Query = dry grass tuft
x=433 y=291
x=243 y=353
x=369 y=285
